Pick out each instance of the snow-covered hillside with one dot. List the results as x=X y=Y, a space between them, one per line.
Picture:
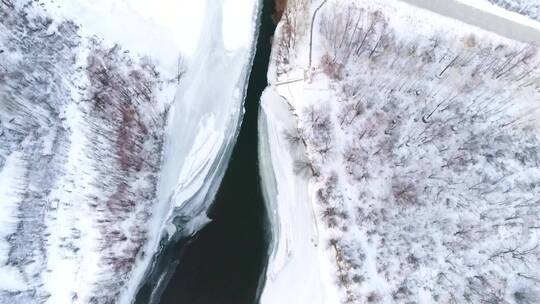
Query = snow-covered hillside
x=530 y=8
x=116 y=117
x=419 y=136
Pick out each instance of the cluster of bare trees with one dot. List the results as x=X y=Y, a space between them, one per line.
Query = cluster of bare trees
x=125 y=128
x=34 y=55
x=350 y=34
x=440 y=156
x=114 y=94
x=292 y=28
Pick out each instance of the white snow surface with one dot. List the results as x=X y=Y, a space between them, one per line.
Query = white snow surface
x=529 y=8
x=296 y=255
x=488 y=16
x=141 y=107
x=160 y=29
x=420 y=140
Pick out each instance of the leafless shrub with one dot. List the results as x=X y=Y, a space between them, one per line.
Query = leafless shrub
x=330 y=67
x=333 y=216
x=526 y=296
x=343 y=280
x=413 y=260
x=319 y=129
x=373 y=297
x=333 y=242
x=353 y=32
x=327 y=192
x=480 y=289
x=404 y=192
x=401 y=293
x=358 y=279
x=293 y=138
x=304 y=167
x=522 y=253
x=292 y=27
x=350 y=112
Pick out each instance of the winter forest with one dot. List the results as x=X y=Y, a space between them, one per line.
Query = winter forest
x=272 y=151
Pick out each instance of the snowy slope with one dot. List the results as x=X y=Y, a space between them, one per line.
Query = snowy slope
x=296 y=258
x=530 y=8
x=107 y=127
x=486 y=16
x=421 y=147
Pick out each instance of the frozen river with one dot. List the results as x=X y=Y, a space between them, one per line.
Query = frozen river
x=224 y=261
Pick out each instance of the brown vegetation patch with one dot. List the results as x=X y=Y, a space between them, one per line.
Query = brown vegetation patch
x=279 y=9
x=126 y=126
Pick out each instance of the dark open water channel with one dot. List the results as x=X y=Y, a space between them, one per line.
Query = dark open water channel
x=225 y=261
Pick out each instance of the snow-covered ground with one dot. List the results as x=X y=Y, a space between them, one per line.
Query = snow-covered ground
x=421 y=149
x=296 y=259
x=487 y=16
x=530 y=8
x=113 y=116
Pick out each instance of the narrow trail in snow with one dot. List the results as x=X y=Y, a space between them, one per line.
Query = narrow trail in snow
x=224 y=262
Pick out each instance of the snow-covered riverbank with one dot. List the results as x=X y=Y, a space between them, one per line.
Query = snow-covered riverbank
x=116 y=118
x=294 y=255
x=420 y=136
